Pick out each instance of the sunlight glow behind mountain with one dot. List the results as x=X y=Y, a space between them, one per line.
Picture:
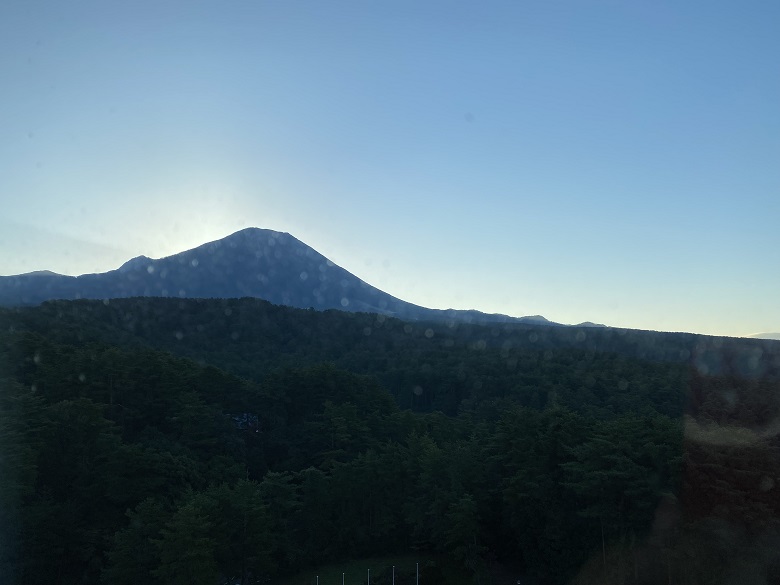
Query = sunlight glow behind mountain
x=614 y=162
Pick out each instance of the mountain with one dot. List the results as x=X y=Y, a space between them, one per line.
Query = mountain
x=766 y=336
x=253 y=262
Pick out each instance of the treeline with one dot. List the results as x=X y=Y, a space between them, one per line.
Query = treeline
x=426 y=366
x=125 y=464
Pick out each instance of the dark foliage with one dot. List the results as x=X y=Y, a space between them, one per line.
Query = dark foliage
x=170 y=441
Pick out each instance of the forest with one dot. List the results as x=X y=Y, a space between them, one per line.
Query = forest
x=168 y=441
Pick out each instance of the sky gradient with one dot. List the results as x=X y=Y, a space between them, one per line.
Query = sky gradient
x=609 y=161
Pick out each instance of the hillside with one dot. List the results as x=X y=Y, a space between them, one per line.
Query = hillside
x=231 y=440
x=253 y=262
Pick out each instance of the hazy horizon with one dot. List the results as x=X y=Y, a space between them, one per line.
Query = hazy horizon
x=758 y=335
x=613 y=162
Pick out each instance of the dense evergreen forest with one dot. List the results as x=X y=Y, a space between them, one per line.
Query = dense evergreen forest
x=167 y=441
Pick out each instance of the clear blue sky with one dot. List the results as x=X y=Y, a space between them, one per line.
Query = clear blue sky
x=613 y=161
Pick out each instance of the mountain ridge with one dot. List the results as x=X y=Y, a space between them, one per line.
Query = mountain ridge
x=252 y=262
x=769 y=335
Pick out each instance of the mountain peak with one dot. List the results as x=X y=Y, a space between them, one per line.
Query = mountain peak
x=40 y=273
x=135 y=263
x=252 y=262
x=254 y=233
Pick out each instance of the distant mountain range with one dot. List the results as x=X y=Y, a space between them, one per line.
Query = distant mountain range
x=253 y=262
x=766 y=336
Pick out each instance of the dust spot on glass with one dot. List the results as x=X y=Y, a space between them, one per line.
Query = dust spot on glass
x=194 y=262
x=33 y=388
x=580 y=336
x=623 y=384
x=429 y=333
x=182 y=292
x=37 y=358
x=533 y=338
x=344 y=301
x=179 y=335
x=228 y=312
x=105 y=302
x=366 y=331
x=304 y=276
x=150 y=269
x=407 y=328
x=417 y=390
x=82 y=378
x=234 y=336
x=548 y=355
x=767 y=483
